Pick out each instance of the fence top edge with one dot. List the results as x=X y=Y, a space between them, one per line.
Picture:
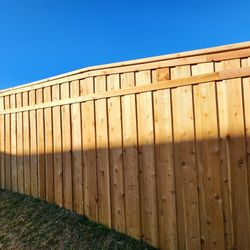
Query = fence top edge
x=206 y=51
x=192 y=80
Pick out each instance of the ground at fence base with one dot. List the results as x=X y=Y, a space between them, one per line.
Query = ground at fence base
x=28 y=223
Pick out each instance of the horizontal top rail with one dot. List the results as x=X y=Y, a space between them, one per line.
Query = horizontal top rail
x=209 y=77
x=238 y=50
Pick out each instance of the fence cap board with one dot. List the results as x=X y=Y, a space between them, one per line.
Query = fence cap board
x=240 y=49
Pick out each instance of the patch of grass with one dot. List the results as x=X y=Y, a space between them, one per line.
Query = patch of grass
x=29 y=223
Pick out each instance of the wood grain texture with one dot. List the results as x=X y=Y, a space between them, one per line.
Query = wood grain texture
x=13 y=145
x=41 y=148
x=77 y=166
x=130 y=159
x=49 y=164
x=233 y=149
x=57 y=145
x=116 y=156
x=2 y=145
x=208 y=161
x=188 y=221
x=33 y=146
x=66 y=148
x=89 y=151
x=147 y=161
x=165 y=175
x=102 y=146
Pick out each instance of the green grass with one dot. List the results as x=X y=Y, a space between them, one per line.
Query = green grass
x=29 y=223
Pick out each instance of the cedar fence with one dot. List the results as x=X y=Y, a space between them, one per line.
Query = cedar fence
x=156 y=148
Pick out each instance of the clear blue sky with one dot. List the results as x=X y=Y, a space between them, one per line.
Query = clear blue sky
x=42 y=38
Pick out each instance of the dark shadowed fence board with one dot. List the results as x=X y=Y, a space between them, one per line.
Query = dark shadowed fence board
x=157 y=148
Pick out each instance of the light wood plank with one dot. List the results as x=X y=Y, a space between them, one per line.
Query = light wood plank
x=33 y=146
x=2 y=145
x=234 y=153
x=103 y=171
x=41 y=147
x=66 y=147
x=208 y=161
x=130 y=159
x=185 y=164
x=147 y=162
x=57 y=145
x=13 y=145
x=89 y=151
x=49 y=164
x=26 y=145
x=116 y=156
x=77 y=165
x=166 y=198
x=20 y=166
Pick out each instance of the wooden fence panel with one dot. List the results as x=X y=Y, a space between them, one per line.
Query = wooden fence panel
x=66 y=147
x=147 y=161
x=188 y=221
x=49 y=147
x=20 y=165
x=102 y=146
x=57 y=145
x=157 y=149
x=76 y=150
x=89 y=151
x=130 y=159
x=208 y=161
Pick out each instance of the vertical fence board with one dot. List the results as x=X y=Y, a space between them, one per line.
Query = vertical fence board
x=57 y=145
x=76 y=149
x=20 y=166
x=41 y=147
x=130 y=159
x=48 y=147
x=66 y=147
x=165 y=177
x=13 y=145
x=26 y=145
x=7 y=145
x=147 y=161
x=33 y=146
x=234 y=145
x=116 y=155
x=103 y=172
x=185 y=164
x=208 y=161
x=89 y=151
x=2 y=144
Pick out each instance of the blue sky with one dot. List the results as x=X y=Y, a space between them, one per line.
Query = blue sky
x=43 y=38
